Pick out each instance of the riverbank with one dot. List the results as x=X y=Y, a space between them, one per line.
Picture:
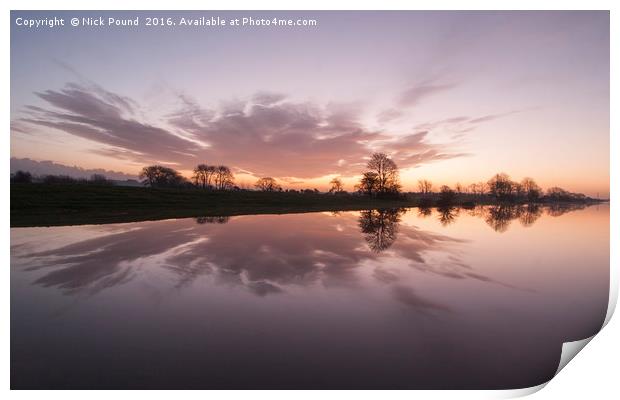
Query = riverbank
x=55 y=205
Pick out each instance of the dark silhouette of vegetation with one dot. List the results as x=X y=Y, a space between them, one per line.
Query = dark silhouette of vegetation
x=98 y=179
x=336 y=186
x=267 y=184
x=501 y=187
x=425 y=186
x=21 y=177
x=447 y=214
x=161 y=177
x=368 y=184
x=223 y=178
x=381 y=178
x=380 y=227
x=203 y=175
x=220 y=219
x=446 y=195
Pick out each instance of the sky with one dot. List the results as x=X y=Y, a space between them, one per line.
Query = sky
x=450 y=96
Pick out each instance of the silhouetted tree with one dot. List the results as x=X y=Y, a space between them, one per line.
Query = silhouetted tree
x=98 y=179
x=386 y=172
x=501 y=186
x=368 y=184
x=223 y=178
x=478 y=188
x=203 y=175
x=425 y=186
x=380 y=227
x=446 y=195
x=531 y=189
x=267 y=184
x=160 y=176
x=62 y=180
x=458 y=188
x=21 y=177
x=336 y=186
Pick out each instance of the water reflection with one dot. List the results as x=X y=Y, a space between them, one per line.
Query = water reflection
x=447 y=214
x=417 y=298
x=264 y=256
x=213 y=220
x=262 y=253
x=380 y=227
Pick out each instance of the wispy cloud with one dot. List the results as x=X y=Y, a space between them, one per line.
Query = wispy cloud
x=264 y=135
x=413 y=95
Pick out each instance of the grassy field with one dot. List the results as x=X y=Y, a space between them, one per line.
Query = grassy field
x=51 y=205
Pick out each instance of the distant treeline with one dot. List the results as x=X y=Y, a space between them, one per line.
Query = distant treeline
x=381 y=179
x=95 y=179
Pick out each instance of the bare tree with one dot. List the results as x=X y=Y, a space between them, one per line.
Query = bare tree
x=501 y=186
x=159 y=176
x=386 y=172
x=336 y=186
x=223 y=178
x=368 y=184
x=458 y=188
x=203 y=175
x=478 y=188
x=531 y=189
x=267 y=184
x=425 y=186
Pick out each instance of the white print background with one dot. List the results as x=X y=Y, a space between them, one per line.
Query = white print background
x=592 y=374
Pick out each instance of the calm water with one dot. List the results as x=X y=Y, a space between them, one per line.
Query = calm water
x=479 y=298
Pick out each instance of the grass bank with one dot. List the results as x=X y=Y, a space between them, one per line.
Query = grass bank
x=75 y=204
x=52 y=205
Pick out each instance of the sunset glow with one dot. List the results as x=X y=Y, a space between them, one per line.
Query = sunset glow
x=450 y=96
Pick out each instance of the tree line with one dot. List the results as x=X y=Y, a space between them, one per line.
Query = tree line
x=380 y=179
x=501 y=188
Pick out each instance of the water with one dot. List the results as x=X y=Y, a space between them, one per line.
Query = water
x=412 y=299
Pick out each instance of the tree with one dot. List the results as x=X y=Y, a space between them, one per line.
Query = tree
x=160 y=176
x=21 y=177
x=386 y=173
x=223 y=178
x=368 y=184
x=98 y=179
x=501 y=186
x=336 y=186
x=267 y=184
x=458 y=188
x=203 y=175
x=446 y=195
x=478 y=188
x=380 y=227
x=531 y=189
x=425 y=186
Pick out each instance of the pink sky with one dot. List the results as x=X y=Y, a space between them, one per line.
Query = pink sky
x=451 y=96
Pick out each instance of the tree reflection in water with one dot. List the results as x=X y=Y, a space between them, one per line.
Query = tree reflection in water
x=380 y=227
x=213 y=220
x=447 y=215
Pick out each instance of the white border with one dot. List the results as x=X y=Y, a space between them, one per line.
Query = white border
x=594 y=372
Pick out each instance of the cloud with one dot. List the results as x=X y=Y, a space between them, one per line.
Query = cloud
x=52 y=168
x=263 y=135
x=410 y=298
x=267 y=98
x=416 y=93
x=388 y=115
